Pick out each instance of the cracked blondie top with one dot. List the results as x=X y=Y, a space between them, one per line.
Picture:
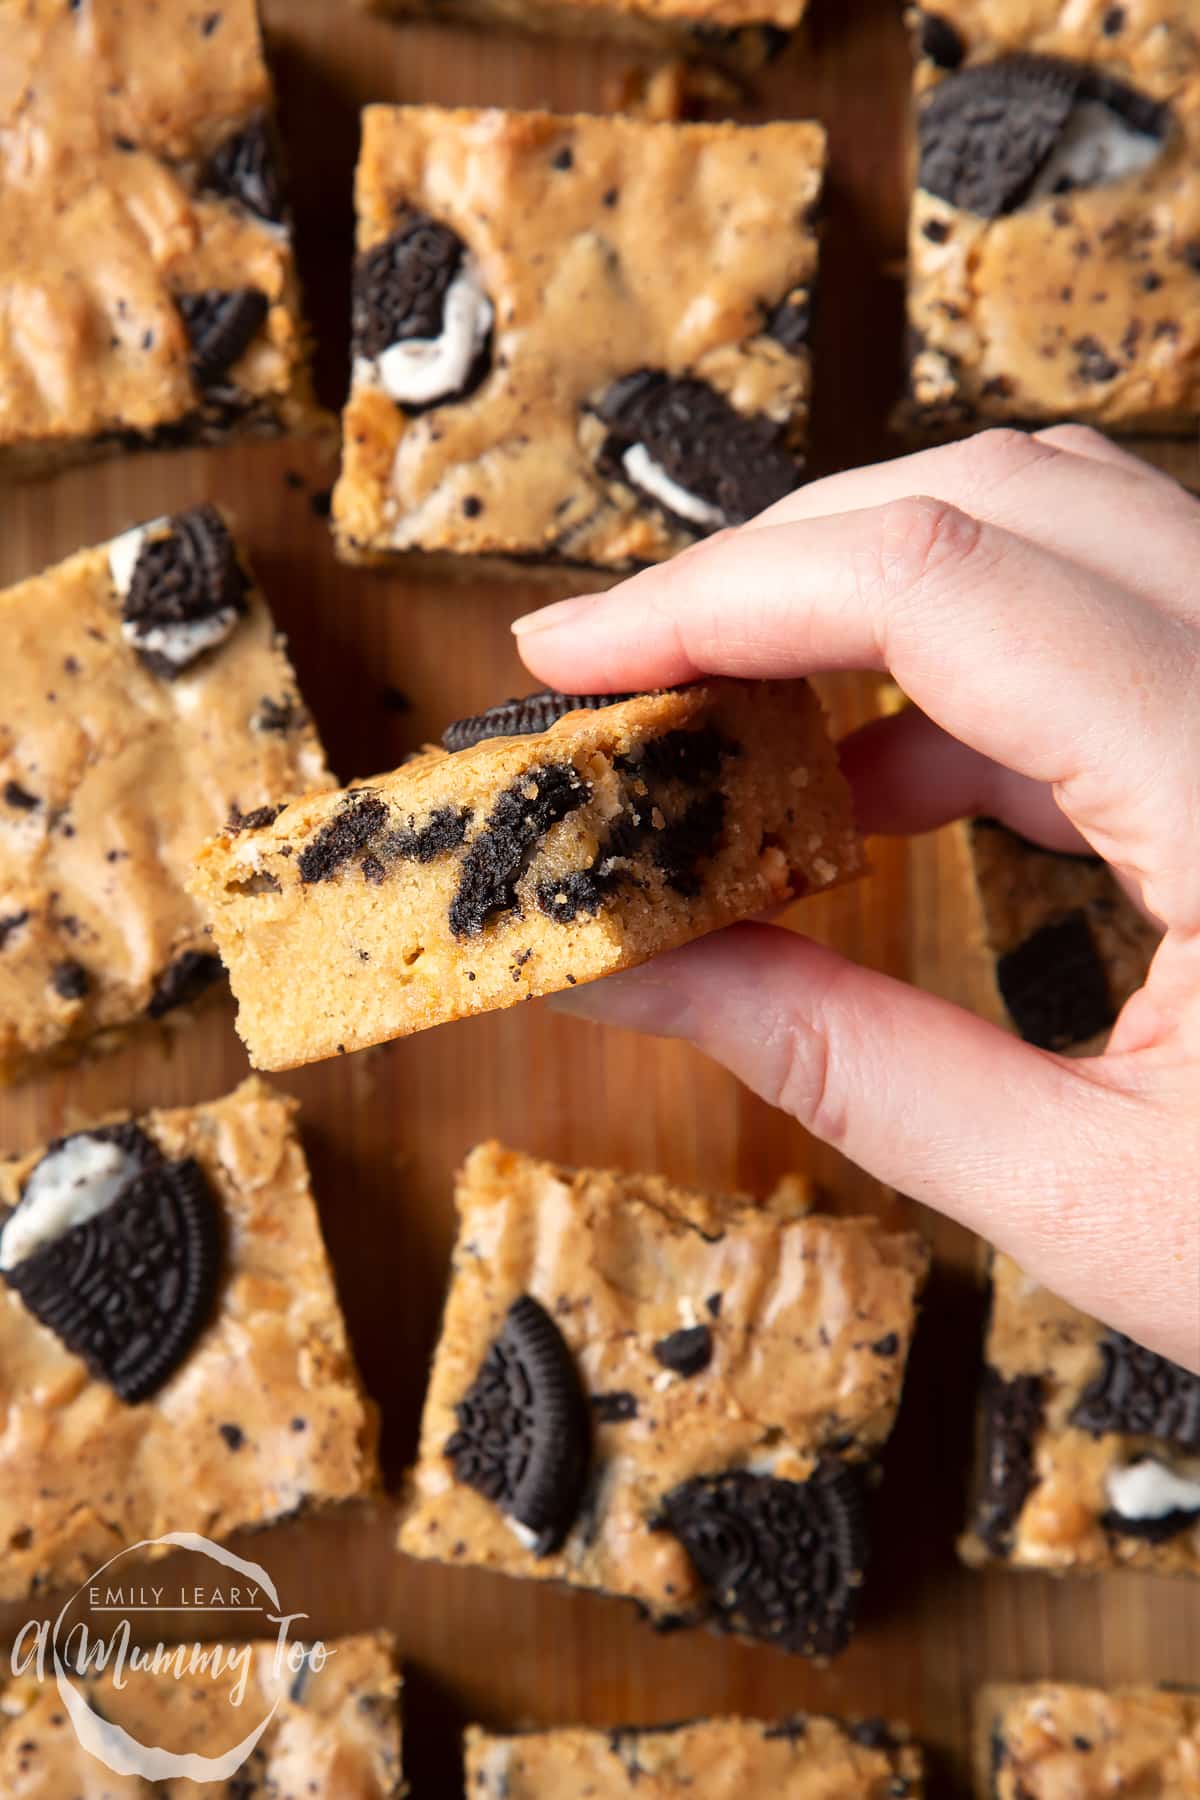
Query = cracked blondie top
x=145 y=698
x=147 y=289
x=1067 y=945
x=1054 y=242
x=554 y=840
x=172 y=1356
x=665 y=1395
x=805 y=1757
x=1089 y=1454
x=574 y=338
x=335 y=1733
x=1048 y=1740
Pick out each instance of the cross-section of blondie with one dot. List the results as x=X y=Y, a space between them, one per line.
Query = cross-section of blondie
x=798 y=1758
x=559 y=839
x=581 y=339
x=1046 y=1740
x=1054 y=239
x=147 y=290
x=1066 y=945
x=172 y=1357
x=145 y=698
x=1089 y=1451
x=664 y=1395
x=333 y=1734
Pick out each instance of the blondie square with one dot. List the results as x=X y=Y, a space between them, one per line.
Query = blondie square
x=1066 y=944
x=1045 y=1740
x=145 y=698
x=147 y=290
x=334 y=1733
x=1054 y=242
x=553 y=840
x=581 y=339
x=1089 y=1445
x=172 y=1357
x=665 y=1395
x=707 y=1759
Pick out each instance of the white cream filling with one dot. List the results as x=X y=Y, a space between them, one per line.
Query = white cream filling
x=653 y=479
x=124 y=551
x=1097 y=146
x=523 y=1534
x=184 y=640
x=69 y=1186
x=1149 y=1490
x=416 y=371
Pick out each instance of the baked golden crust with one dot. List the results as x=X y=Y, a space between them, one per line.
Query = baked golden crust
x=1084 y=305
x=83 y=1476
x=111 y=775
x=1045 y=1497
x=803 y=1758
x=110 y=115
x=1047 y=1740
x=334 y=1733
x=388 y=905
x=606 y=246
x=809 y=1320
x=743 y=32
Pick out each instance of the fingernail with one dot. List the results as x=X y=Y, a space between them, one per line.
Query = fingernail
x=548 y=618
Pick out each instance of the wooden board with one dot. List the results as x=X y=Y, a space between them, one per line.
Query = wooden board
x=385 y=1129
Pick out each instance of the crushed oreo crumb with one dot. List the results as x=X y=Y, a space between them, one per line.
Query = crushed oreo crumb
x=940 y=42
x=20 y=798
x=1012 y=1419
x=233 y=1435
x=514 y=828
x=444 y=830
x=70 y=980
x=685 y=1352
x=615 y=1408
x=246 y=168
x=1055 y=984
x=220 y=325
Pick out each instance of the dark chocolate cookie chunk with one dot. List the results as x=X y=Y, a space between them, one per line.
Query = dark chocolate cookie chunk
x=186 y=592
x=1012 y=1418
x=988 y=131
x=1141 y=1395
x=443 y=831
x=191 y=974
x=220 y=324
x=782 y=1561
x=511 y=833
x=789 y=322
x=523 y=1428
x=130 y=1287
x=362 y=818
x=615 y=1408
x=245 y=168
x=711 y=464
x=522 y=718
x=1055 y=985
x=685 y=1352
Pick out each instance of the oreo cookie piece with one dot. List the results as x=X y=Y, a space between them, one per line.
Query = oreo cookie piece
x=421 y=316
x=220 y=324
x=1055 y=984
x=362 y=818
x=511 y=833
x=245 y=168
x=191 y=974
x=1012 y=1419
x=183 y=588
x=782 y=1561
x=1140 y=1394
x=118 y=1252
x=522 y=718
x=680 y=444
x=939 y=41
x=523 y=1428
x=686 y=1352
x=995 y=135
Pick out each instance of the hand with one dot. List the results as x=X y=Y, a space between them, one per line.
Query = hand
x=1039 y=599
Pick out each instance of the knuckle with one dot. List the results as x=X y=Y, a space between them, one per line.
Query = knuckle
x=1075 y=440
x=807 y=1086
x=918 y=538
x=996 y=456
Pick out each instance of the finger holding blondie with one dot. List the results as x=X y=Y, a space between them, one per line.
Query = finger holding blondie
x=1056 y=686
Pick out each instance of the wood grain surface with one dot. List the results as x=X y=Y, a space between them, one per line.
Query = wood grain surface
x=385 y=1129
